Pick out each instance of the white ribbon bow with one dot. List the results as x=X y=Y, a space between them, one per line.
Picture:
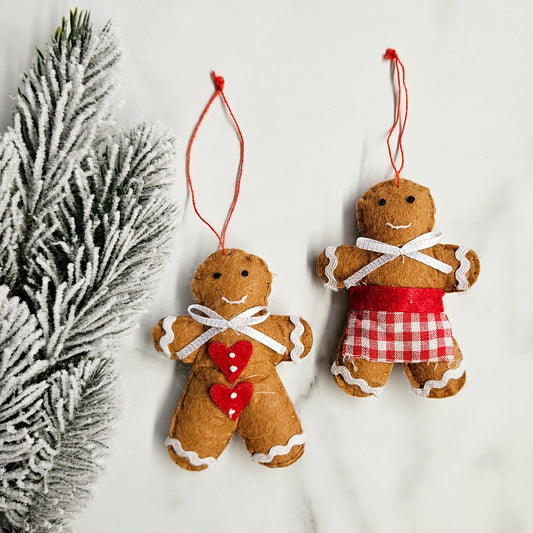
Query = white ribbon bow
x=241 y=324
x=409 y=249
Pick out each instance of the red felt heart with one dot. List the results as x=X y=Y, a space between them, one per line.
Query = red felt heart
x=232 y=401
x=231 y=359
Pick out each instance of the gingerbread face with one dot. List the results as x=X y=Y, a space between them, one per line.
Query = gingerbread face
x=231 y=282
x=395 y=215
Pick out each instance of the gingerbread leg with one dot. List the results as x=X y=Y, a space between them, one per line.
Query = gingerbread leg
x=359 y=377
x=437 y=380
x=270 y=426
x=199 y=431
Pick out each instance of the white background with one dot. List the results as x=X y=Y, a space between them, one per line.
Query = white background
x=313 y=96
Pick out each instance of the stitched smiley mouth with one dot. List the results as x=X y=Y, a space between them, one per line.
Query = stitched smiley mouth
x=234 y=302
x=398 y=227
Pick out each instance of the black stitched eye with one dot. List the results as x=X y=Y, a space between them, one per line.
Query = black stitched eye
x=244 y=273
x=382 y=201
x=410 y=199
x=217 y=275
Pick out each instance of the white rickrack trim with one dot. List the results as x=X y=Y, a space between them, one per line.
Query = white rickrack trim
x=464 y=267
x=295 y=336
x=191 y=456
x=168 y=337
x=279 y=449
x=330 y=268
x=453 y=373
x=360 y=382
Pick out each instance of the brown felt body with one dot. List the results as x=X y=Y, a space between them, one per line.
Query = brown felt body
x=269 y=419
x=387 y=203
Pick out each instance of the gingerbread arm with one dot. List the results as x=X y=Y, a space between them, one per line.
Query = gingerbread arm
x=336 y=264
x=465 y=264
x=170 y=336
x=293 y=332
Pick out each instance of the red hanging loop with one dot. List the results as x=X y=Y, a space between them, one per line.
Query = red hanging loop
x=391 y=55
x=219 y=90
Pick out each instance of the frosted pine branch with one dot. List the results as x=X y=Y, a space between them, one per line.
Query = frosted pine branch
x=110 y=231
x=79 y=408
x=76 y=411
x=61 y=106
x=10 y=214
x=86 y=218
x=22 y=386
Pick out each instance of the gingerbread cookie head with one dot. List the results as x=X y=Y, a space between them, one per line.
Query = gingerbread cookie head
x=395 y=214
x=231 y=281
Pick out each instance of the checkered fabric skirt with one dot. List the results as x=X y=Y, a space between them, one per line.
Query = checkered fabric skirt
x=398 y=337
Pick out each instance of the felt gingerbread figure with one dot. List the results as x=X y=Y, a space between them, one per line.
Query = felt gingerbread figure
x=234 y=345
x=397 y=274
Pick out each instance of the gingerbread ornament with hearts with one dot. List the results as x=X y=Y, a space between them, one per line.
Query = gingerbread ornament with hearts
x=234 y=345
x=397 y=274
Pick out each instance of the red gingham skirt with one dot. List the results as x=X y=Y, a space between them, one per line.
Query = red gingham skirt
x=397 y=325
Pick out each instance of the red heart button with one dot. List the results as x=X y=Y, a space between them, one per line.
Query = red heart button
x=231 y=360
x=232 y=401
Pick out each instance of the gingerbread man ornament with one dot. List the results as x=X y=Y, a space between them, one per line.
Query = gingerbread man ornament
x=396 y=274
x=234 y=345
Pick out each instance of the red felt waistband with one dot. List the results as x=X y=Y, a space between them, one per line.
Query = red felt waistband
x=396 y=299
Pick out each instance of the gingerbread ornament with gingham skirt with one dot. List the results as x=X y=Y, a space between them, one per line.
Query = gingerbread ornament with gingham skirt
x=397 y=274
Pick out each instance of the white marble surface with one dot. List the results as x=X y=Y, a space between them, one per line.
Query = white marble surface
x=314 y=100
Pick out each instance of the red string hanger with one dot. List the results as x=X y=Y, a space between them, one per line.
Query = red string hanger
x=391 y=55
x=219 y=91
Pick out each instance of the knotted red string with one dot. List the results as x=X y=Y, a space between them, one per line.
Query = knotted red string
x=219 y=90
x=391 y=55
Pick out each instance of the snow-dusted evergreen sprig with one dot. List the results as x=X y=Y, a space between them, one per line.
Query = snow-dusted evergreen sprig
x=79 y=408
x=22 y=386
x=114 y=219
x=61 y=105
x=10 y=214
x=85 y=218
